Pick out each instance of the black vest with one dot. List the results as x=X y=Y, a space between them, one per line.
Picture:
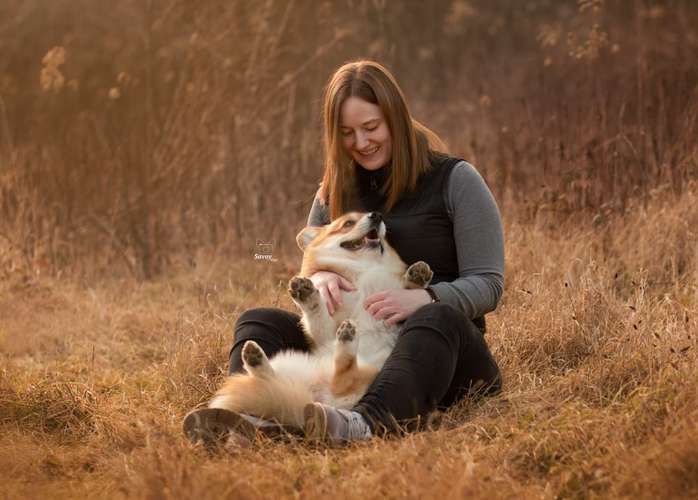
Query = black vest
x=418 y=226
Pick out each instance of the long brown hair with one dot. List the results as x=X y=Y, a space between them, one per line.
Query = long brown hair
x=412 y=142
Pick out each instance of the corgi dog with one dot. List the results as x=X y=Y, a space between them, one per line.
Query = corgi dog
x=348 y=348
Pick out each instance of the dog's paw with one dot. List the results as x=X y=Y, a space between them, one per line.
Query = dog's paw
x=301 y=289
x=252 y=354
x=346 y=331
x=419 y=274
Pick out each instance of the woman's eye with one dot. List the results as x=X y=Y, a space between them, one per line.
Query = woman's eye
x=345 y=133
x=371 y=129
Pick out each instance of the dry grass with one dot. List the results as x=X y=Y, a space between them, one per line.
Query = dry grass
x=143 y=154
x=596 y=337
x=131 y=143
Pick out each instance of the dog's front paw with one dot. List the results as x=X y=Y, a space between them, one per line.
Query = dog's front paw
x=419 y=274
x=346 y=331
x=301 y=289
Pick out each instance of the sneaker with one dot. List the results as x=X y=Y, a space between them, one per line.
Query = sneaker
x=334 y=425
x=214 y=427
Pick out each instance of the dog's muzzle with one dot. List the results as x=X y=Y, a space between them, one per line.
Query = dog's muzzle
x=369 y=240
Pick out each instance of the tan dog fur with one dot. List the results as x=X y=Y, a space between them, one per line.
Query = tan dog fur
x=348 y=348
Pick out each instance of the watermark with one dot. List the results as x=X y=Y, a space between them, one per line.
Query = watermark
x=264 y=250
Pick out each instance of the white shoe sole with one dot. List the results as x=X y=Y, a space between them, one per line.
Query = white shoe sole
x=315 y=423
x=213 y=426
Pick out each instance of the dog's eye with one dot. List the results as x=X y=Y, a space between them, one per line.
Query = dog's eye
x=348 y=223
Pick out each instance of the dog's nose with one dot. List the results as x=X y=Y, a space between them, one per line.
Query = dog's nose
x=375 y=217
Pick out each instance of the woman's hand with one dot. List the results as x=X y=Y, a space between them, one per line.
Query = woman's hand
x=330 y=286
x=394 y=306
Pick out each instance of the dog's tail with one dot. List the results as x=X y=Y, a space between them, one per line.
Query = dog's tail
x=281 y=398
x=273 y=399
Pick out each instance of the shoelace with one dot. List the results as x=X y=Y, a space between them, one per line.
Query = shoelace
x=357 y=428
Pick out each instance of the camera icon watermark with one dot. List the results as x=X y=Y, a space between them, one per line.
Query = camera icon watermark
x=264 y=250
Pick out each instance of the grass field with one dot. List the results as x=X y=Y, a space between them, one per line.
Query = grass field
x=145 y=152
x=596 y=337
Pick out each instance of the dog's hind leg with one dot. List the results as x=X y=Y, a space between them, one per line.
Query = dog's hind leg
x=418 y=275
x=255 y=361
x=348 y=378
x=346 y=347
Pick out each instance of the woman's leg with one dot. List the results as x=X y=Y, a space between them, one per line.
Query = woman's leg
x=439 y=357
x=273 y=329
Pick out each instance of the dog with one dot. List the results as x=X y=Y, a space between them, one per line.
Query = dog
x=347 y=349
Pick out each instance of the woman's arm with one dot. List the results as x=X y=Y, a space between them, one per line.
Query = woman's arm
x=477 y=230
x=330 y=285
x=319 y=213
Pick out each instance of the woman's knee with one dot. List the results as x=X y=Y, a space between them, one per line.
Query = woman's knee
x=437 y=314
x=272 y=329
x=262 y=315
x=436 y=320
x=447 y=318
x=270 y=324
x=266 y=317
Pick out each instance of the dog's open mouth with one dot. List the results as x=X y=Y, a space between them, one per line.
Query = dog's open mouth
x=369 y=240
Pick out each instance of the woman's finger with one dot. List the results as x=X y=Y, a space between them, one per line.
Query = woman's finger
x=377 y=306
x=335 y=293
x=326 y=297
x=395 y=319
x=345 y=284
x=371 y=299
x=385 y=312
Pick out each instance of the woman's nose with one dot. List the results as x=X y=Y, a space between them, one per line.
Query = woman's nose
x=361 y=140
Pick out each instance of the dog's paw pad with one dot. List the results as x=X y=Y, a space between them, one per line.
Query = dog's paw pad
x=252 y=354
x=300 y=288
x=419 y=273
x=346 y=331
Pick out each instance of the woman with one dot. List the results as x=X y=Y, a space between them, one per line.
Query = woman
x=437 y=209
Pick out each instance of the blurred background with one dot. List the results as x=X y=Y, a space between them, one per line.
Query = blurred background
x=142 y=135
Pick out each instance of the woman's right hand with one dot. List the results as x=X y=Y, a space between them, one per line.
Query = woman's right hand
x=330 y=286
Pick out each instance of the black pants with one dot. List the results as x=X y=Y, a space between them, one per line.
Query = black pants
x=440 y=357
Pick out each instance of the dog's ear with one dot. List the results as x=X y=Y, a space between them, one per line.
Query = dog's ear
x=307 y=235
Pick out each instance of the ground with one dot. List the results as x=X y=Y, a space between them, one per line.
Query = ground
x=596 y=338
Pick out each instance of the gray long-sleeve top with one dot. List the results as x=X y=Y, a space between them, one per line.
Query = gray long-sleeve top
x=478 y=234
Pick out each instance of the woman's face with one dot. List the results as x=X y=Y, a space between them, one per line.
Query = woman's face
x=365 y=133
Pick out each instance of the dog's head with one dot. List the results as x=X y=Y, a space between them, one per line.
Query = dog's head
x=349 y=243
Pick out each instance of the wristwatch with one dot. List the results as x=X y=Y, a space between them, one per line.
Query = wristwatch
x=432 y=294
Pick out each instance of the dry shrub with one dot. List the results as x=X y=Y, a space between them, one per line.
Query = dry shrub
x=133 y=144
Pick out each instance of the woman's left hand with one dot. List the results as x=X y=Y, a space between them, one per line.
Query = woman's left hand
x=394 y=306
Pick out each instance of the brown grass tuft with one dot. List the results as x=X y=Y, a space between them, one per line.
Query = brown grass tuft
x=62 y=408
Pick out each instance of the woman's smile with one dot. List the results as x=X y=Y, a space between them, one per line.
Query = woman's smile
x=365 y=133
x=369 y=151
